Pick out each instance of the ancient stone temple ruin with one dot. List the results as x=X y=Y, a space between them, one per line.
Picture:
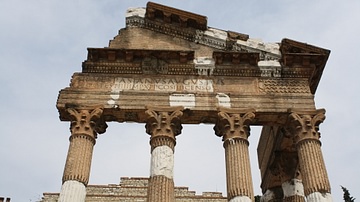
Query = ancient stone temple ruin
x=168 y=68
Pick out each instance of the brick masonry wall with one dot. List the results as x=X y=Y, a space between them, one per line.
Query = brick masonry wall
x=139 y=38
x=135 y=190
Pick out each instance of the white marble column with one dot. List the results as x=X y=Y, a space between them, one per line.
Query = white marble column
x=84 y=130
x=163 y=125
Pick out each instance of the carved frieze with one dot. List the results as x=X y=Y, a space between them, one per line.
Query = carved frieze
x=132 y=61
x=274 y=86
x=112 y=68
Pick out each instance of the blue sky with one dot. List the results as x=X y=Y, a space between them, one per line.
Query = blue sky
x=43 y=42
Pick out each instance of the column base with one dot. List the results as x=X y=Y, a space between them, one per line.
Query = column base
x=240 y=199
x=72 y=191
x=319 y=197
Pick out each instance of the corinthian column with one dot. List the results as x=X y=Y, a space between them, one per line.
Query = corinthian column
x=233 y=126
x=163 y=124
x=305 y=126
x=84 y=128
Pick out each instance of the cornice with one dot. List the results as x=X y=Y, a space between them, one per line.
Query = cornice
x=166 y=62
x=167 y=14
x=295 y=54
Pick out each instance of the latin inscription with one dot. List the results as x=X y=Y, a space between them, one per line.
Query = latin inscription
x=147 y=84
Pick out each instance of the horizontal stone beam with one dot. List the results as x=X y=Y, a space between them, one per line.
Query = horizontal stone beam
x=124 y=97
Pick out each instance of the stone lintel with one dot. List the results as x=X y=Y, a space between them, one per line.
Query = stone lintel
x=173 y=15
x=206 y=114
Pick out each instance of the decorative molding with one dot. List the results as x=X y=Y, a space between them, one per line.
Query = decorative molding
x=135 y=61
x=112 y=67
x=238 y=72
x=134 y=55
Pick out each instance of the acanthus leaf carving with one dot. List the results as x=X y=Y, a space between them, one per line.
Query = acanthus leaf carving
x=305 y=125
x=164 y=122
x=234 y=124
x=86 y=122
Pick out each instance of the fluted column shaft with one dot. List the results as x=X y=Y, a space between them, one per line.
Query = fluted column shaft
x=311 y=162
x=163 y=125
x=312 y=166
x=233 y=126
x=78 y=162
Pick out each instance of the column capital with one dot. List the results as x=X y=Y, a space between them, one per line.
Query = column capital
x=164 y=121
x=163 y=124
x=305 y=124
x=234 y=123
x=87 y=122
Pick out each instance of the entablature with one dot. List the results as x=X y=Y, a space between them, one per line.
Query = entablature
x=212 y=68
